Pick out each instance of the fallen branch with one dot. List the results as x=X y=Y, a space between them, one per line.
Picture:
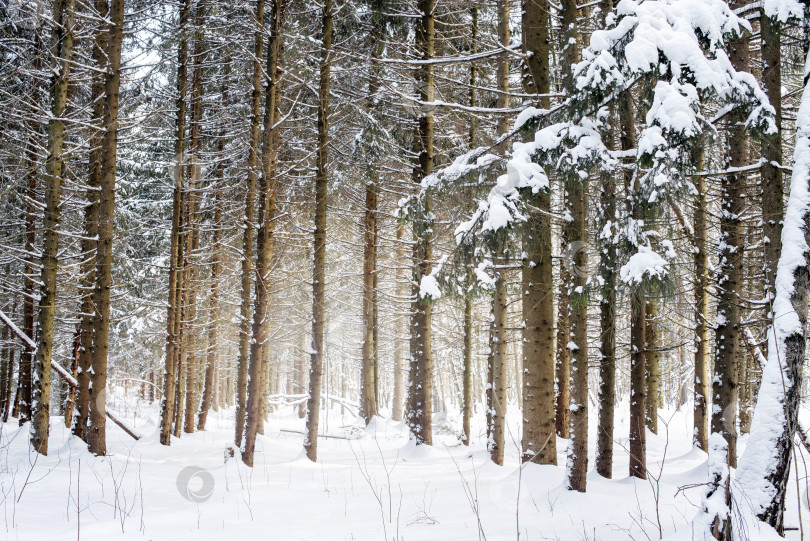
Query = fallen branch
x=62 y=372
x=333 y=436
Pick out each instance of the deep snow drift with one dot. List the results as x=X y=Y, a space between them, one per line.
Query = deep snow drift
x=369 y=484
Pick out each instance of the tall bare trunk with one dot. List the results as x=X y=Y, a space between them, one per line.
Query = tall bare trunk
x=771 y=174
x=61 y=50
x=399 y=361
x=466 y=391
x=701 y=378
x=210 y=395
x=192 y=217
x=539 y=443
x=319 y=271
x=497 y=391
x=607 y=331
x=247 y=236
x=174 y=312
x=562 y=363
x=368 y=383
x=730 y=274
x=259 y=382
x=89 y=242
x=420 y=396
x=638 y=388
x=652 y=368
x=577 y=238
x=97 y=434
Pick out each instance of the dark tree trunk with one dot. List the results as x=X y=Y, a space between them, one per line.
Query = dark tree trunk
x=97 y=434
x=259 y=366
x=420 y=395
x=319 y=271
x=169 y=400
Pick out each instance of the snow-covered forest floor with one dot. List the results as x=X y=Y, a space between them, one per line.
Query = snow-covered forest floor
x=368 y=484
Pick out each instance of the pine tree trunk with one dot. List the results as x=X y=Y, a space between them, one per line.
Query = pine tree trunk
x=607 y=299
x=497 y=414
x=89 y=242
x=259 y=382
x=61 y=50
x=730 y=274
x=701 y=378
x=6 y=358
x=651 y=363
x=9 y=376
x=607 y=325
x=399 y=361
x=539 y=444
x=577 y=238
x=466 y=392
x=22 y=398
x=247 y=236
x=70 y=391
x=368 y=387
x=638 y=387
x=420 y=396
x=301 y=381
x=96 y=437
x=209 y=397
x=319 y=271
x=765 y=467
x=195 y=148
x=172 y=369
x=771 y=174
x=562 y=365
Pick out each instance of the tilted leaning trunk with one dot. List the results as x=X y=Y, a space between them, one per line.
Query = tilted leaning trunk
x=97 y=435
x=247 y=234
x=257 y=386
x=420 y=391
x=61 y=50
x=764 y=468
x=319 y=270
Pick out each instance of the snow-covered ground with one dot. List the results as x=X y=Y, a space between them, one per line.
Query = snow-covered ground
x=368 y=484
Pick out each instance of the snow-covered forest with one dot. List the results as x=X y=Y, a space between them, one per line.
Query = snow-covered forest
x=404 y=270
